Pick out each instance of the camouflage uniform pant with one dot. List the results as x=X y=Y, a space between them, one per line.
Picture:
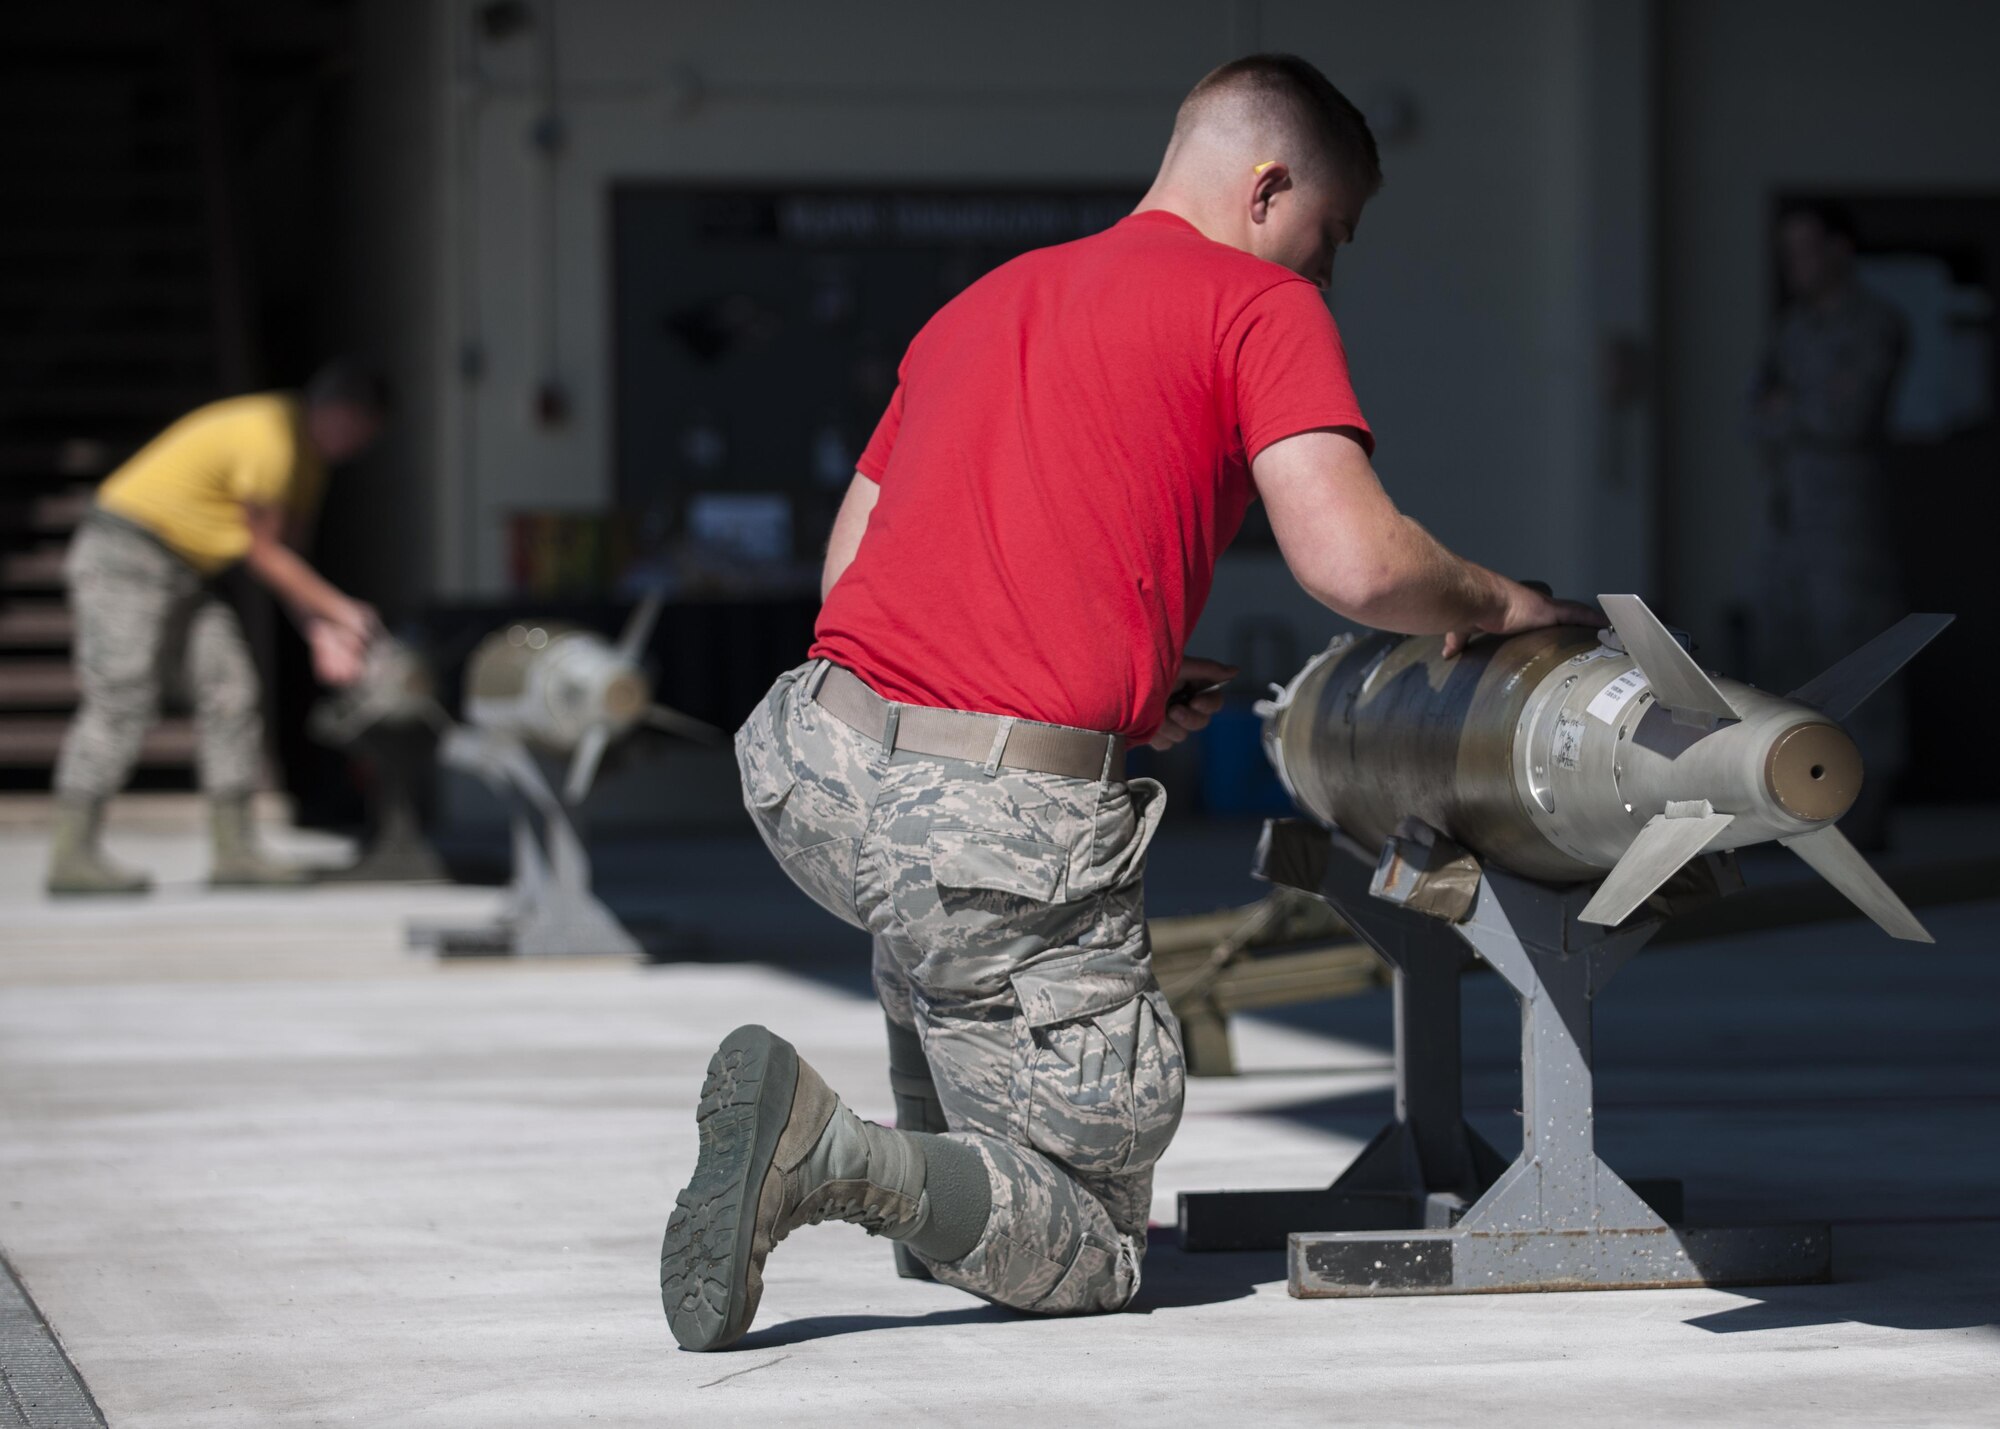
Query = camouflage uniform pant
x=1010 y=935
x=147 y=623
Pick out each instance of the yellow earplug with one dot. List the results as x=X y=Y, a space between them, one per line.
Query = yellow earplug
x=1263 y=166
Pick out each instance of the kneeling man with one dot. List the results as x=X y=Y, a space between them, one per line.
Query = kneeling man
x=1011 y=582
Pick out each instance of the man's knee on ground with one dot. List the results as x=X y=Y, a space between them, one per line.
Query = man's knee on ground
x=1098 y=1279
x=1049 y=1246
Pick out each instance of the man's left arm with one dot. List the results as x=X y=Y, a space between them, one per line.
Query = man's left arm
x=848 y=528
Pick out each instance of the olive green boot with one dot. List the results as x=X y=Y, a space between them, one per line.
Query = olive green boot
x=77 y=866
x=779 y=1151
x=239 y=862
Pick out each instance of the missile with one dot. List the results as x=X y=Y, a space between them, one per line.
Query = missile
x=1570 y=755
x=571 y=691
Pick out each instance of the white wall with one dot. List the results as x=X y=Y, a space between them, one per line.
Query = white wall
x=1784 y=94
x=1511 y=233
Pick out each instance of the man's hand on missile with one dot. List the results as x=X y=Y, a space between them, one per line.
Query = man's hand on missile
x=357 y=617
x=339 y=656
x=1521 y=609
x=1197 y=696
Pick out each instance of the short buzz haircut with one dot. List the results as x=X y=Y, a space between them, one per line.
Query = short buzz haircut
x=1291 y=95
x=349 y=382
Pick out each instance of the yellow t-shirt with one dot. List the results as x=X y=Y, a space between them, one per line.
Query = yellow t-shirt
x=189 y=485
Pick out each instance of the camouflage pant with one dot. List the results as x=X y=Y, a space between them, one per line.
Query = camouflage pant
x=1010 y=934
x=146 y=622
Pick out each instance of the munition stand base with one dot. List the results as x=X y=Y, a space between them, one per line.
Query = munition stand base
x=397 y=850
x=1428 y=1208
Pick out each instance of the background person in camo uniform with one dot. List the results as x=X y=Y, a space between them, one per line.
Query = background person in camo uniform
x=236 y=481
x=1010 y=586
x=1827 y=577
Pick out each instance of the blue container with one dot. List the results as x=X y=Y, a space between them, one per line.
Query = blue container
x=1236 y=778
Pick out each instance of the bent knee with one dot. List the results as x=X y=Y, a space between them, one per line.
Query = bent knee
x=1099 y=1279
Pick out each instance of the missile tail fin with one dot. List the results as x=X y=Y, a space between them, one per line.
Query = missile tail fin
x=1662 y=848
x=639 y=629
x=583 y=764
x=1677 y=681
x=1839 y=690
x=1837 y=861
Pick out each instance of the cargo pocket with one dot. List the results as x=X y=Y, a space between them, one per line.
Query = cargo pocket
x=1103 y=1077
x=975 y=868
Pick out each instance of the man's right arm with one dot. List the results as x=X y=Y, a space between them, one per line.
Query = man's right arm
x=293 y=580
x=1356 y=554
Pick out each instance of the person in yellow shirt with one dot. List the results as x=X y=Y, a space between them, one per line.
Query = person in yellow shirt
x=237 y=481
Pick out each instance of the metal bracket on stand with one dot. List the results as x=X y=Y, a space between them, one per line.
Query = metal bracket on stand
x=1428 y=1207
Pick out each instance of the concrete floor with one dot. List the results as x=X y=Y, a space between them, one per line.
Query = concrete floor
x=261 y=1166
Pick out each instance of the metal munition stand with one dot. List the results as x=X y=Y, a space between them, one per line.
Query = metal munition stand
x=1429 y=1208
x=550 y=910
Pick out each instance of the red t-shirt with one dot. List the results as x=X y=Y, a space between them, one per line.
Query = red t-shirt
x=1067 y=454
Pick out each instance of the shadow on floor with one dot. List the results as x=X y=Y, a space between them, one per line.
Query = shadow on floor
x=1754 y=1067
x=823 y=1327
x=1911 y=1276
x=1173 y=1280
x=1176 y=1280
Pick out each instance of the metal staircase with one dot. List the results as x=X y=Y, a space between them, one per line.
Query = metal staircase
x=107 y=320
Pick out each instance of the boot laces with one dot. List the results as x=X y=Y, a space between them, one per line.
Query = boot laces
x=850 y=1207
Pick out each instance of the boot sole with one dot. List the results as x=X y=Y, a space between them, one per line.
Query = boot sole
x=746 y=1103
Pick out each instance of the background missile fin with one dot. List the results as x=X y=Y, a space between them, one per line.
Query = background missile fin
x=1841 y=864
x=671 y=720
x=639 y=629
x=583 y=764
x=1839 y=689
x=1663 y=846
x=1678 y=683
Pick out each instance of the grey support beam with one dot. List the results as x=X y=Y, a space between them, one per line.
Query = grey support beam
x=1427 y=1208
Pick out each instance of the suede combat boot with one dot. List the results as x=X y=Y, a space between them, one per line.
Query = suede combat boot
x=238 y=861
x=76 y=864
x=779 y=1151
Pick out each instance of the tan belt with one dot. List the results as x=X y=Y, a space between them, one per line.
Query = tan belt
x=992 y=740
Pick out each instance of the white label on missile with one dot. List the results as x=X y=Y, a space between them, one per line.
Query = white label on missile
x=1567 y=750
x=1612 y=699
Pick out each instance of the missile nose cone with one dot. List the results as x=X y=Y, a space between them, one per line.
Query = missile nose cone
x=1813 y=771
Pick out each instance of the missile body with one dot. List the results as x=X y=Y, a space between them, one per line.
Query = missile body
x=549 y=685
x=570 y=691
x=1569 y=757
